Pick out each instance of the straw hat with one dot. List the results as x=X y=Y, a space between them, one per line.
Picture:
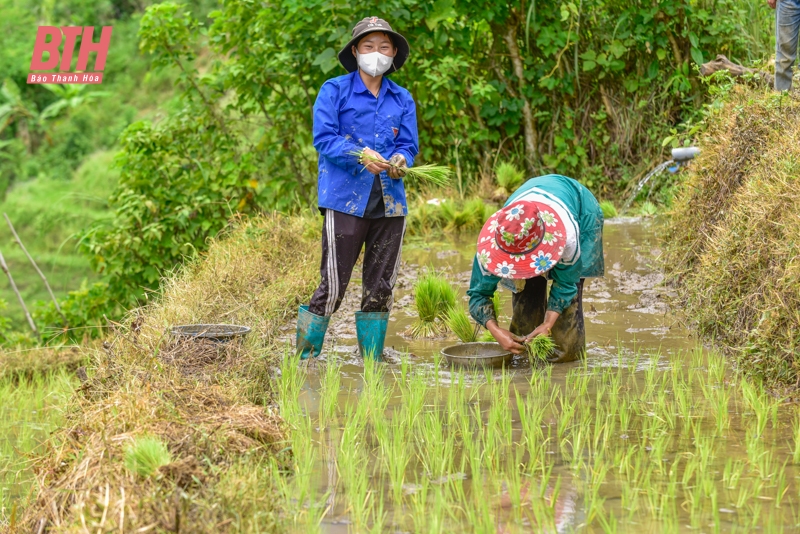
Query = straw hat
x=370 y=25
x=522 y=240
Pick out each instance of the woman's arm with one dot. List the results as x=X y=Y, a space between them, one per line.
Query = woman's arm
x=481 y=290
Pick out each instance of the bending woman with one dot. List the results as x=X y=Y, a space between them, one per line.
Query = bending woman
x=550 y=228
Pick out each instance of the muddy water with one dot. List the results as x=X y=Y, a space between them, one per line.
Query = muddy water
x=659 y=475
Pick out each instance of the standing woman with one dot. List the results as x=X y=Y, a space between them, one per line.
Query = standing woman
x=550 y=228
x=364 y=203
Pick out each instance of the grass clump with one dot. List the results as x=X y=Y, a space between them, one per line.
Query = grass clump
x=540 y=347
x=433 y=298
x=457 y=321
x=734 y=237
x=608 y=208
x=145 y=455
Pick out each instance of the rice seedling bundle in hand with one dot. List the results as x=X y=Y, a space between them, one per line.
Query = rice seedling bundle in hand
x=433 y=298
x=438 y=175
x=145 y=455
x=540 y=347
x=458 y=322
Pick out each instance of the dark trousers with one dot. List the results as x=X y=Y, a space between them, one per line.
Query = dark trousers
x=343 y=236
x=569 y=333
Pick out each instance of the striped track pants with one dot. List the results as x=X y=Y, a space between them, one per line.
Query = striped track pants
x=343 y=236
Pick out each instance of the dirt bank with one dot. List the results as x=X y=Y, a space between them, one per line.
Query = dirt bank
x=734 y=238
x=211 y=406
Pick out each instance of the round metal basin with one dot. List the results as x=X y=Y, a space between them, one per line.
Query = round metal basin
x=478 y=354
x=217 y=332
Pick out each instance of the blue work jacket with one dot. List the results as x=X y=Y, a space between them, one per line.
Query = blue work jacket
x=347 y=118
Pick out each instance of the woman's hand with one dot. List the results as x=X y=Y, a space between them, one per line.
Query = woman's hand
x=375 y=167
x=507 y=340
x=397 y=166
x=544 y=328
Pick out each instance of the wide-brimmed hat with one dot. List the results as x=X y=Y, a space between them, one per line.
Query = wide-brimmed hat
x=522 y=240
x=370 y=25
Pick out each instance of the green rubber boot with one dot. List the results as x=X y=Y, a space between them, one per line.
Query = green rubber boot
x=371 y=333
x=311 y=330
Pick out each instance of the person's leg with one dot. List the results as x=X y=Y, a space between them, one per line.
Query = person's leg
x=342 y=238
x=529 y=306
x=382 y=248
x=787 y=26
x=569 y=332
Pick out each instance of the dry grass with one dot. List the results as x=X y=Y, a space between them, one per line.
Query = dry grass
x=734 y=239
x=210 y=404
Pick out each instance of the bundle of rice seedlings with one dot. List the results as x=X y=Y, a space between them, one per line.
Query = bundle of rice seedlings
x=508 y=178
x=609 y=210
x=433 y=298
x=540 y=347
x=458 y=322
x=648 y=209
x=487 y=337
x=438 y=175
x=145 y=455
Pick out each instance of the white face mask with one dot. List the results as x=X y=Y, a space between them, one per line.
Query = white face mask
x=374 y=63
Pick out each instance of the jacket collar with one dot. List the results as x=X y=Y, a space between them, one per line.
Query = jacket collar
x=386 y=85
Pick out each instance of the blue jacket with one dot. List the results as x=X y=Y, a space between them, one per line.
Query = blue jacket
x=347 y=117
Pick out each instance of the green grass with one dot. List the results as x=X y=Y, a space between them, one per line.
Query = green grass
x=145 y=455
x=30 y=408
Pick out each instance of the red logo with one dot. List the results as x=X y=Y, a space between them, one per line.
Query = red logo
x=373 y=20
x=395 y=131
x=63 y=61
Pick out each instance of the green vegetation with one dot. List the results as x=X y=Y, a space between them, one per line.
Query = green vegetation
x=145 y=455
x=433 y=299
x=733 y=236
x=435 y=175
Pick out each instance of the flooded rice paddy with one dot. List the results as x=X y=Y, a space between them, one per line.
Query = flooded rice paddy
x=650 y=433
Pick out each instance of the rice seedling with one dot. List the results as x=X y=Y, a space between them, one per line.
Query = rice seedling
x=608 y=208
x=433 y=298
x=145 y=455
x=331 y=383
x=540 y=348
x=437 y=175
x=458 y=322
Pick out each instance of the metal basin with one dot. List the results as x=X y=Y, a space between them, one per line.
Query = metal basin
x=217 y=332
x=478 y=354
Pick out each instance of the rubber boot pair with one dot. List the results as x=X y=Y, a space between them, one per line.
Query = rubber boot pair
x=370 y=331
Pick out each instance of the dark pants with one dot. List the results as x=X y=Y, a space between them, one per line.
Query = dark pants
x=343 y=236
x=569 y=333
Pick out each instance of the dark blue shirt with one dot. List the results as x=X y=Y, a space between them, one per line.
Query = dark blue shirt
x=347 y=118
